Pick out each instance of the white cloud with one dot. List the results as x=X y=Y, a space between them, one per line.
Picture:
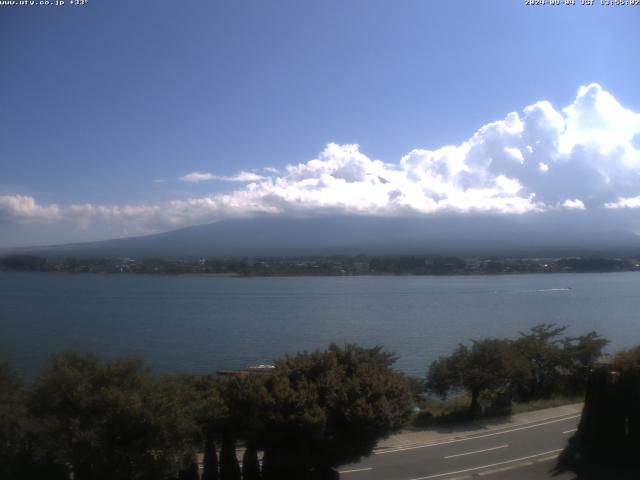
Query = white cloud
x=573 y=204
x=580 y=157
x=21 y=208
x=596 y=118
x=514 y=153
x=196 y=177
x=630 y=202
x=242 y=177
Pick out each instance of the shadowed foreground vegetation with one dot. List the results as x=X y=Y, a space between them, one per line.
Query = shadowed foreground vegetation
x=99 y=420
x=607 y=442
x=114 y=420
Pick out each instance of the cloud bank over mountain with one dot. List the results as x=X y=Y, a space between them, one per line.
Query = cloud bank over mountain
x=583 y=158
x=24 y=209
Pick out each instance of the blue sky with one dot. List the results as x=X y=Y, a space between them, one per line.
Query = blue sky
x=105 y=107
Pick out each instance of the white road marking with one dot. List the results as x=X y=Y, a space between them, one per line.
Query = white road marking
x=570 y=431
x=486 y=466
x=477 y=451
x=355 y=470
x=466 y=439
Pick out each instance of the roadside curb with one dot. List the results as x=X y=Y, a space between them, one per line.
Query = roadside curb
x=570 y=411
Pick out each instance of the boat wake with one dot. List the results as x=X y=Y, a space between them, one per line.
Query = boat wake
x=566 y=289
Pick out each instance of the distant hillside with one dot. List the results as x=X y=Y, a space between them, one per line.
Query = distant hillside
x=275 y=236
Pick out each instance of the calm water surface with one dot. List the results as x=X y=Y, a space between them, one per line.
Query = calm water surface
x=200 y=324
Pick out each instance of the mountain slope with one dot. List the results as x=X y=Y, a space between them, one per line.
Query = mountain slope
x=276 y=236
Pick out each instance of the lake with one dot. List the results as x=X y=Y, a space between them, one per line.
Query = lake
x=200 y=324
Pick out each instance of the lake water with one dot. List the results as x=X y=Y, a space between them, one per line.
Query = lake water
x=200 y=324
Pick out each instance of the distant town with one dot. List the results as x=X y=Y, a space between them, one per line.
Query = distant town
x=334 y=265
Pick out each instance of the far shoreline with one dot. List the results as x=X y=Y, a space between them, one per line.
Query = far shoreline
x=299 y=275
x=326 y=266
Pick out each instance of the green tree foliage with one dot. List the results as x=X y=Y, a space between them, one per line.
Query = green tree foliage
x=114 y=420
x=330 y=407
x=248 y=398
x=486 y=366
x=187 y=409
x=27 y=263
x=94 y=415
x=542 y=356
x=595 y=264
x=19 y=456
x=550 y=364
x=581 y=354
x=13 y=420
x=538 y=364
x=416 y=385
x=416 y=265
x=627 y=360
x=320 y=409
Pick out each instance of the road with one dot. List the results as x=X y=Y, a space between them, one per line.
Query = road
x=480 y=454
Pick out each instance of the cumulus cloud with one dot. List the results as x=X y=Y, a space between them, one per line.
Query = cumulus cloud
x=21 y=208
x=629 y=202
x=573 y=204
x=243 y=177
x=580 y=157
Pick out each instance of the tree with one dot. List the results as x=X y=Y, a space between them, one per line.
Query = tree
x=13 y=421
x=607 y=441
x=114 y=420
x=627 y=360
x=94 y=415
x=485 y=367
x=319 y=410
x=581 y=354
x=539 y=363
x=250 y=464
x=210 y=461
x=190 y=468
x=330 y=407
x=188 y=411
x=207 y=409
x=229 y=467
x=27 y=263
x=542 y=356
x=20 y=457
x=249 y=401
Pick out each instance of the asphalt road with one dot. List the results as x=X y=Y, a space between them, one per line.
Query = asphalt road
x=492 y=452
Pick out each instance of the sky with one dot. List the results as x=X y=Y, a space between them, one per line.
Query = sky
x=127 y=118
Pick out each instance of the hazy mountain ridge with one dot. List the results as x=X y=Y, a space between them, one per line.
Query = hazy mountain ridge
x=450 y=235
